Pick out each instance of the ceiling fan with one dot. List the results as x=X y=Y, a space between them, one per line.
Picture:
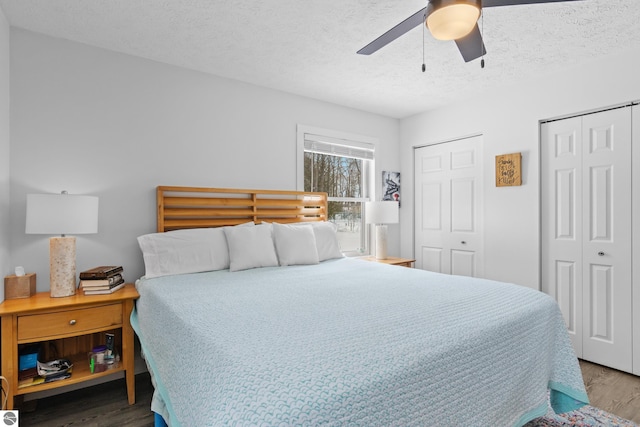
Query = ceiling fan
x=449 y=20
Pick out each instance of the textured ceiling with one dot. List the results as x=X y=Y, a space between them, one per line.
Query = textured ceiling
x=309 y=47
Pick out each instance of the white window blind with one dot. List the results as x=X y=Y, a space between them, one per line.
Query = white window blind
x=338 y=147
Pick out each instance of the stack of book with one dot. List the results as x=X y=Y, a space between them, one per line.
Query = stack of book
x=105 y=279
x=29 y=377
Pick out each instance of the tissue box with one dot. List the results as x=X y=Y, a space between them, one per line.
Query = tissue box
x=19 y=286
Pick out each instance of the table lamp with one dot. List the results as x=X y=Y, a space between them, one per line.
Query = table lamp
x=62 y=214
x=381 y=214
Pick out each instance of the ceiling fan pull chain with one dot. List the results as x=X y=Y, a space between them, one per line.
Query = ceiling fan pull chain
x=424 y=67
x=481 y=38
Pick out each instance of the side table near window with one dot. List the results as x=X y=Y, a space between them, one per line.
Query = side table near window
x=404 y=262
x=68 y=328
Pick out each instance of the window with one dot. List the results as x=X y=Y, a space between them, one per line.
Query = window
x=341 y=168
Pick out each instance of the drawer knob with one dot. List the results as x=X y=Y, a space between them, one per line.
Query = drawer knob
x=72 y=322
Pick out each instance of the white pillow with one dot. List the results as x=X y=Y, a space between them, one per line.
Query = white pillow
x=185 y=251
x=326 y=240
x=295 y=245
x=251 y=247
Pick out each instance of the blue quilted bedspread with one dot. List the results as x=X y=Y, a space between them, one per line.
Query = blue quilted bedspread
x=353 y=343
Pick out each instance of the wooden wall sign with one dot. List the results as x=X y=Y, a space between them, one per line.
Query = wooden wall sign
x=509 y=170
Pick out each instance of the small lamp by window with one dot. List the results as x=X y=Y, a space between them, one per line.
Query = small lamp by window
x=381 y=214
x=62 y=214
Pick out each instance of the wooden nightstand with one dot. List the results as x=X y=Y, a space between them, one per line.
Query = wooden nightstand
x=69 y=328
x=404 y=262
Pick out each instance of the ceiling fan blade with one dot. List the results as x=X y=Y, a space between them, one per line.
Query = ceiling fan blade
x=471 y=46
x=405 y=26
x=493 y=3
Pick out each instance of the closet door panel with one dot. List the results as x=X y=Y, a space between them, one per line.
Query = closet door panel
x=606 y=177
x=561 y=216
x=567 y=290
x=635 y=209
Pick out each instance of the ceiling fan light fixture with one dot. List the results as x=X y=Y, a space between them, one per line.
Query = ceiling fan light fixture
x=452 y=19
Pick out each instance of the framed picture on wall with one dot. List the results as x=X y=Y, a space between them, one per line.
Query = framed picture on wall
x=509 y=170
x=391 y=186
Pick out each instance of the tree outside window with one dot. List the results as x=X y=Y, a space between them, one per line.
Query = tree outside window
x=343 y=179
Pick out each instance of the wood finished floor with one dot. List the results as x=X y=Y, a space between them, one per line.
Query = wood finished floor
x=106 y=404
x=614 y=391
x=97 y=406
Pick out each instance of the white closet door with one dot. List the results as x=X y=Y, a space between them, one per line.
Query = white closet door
x=448 y=206
x=635 y=209
x=607 y=238
x=561 y=215
x=586 y=231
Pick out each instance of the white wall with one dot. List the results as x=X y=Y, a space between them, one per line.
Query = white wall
x=92 y=121
x=509 y=120
x=5 y=258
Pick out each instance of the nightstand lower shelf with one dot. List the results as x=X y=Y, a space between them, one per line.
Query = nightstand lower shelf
x=81 y=372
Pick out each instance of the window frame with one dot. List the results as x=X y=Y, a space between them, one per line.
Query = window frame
x=357 y=142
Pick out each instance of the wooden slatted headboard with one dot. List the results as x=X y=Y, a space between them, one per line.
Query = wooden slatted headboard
x=196 y=207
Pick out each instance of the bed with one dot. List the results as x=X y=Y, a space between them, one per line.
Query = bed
x=327 y=340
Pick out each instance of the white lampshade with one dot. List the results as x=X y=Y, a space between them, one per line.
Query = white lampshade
x=61 y=214
x=386 y=212
x=448 y=20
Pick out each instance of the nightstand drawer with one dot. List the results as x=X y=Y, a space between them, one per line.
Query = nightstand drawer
x=69 y=322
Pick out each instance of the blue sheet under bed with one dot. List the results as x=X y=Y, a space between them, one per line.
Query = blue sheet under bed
x=350 y=342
